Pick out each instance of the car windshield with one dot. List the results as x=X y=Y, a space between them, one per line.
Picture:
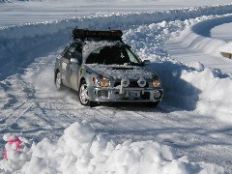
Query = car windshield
x=110 y=55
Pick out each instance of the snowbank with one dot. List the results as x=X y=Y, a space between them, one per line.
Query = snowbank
x=205 y=90
x=194 y=87
x=80 y=150
x=198 y=37
x=215 y=91
x=189 y=38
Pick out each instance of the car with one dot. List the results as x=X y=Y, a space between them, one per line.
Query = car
x=102 y=69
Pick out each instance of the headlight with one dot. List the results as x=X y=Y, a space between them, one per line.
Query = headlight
x=156 y=83
x=104 y=82
x=100 y=81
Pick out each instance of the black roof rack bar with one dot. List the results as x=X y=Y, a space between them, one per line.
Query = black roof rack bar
x=84 y=34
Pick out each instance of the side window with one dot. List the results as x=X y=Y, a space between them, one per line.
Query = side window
x=64 y=52
x=68 y=52
x=74 y=51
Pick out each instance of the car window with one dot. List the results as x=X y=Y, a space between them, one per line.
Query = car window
x=74 y=51
x=64 y=51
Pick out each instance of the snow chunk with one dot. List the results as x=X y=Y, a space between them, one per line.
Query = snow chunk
x=81 y=150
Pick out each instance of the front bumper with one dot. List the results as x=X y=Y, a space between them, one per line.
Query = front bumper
x=125 y=94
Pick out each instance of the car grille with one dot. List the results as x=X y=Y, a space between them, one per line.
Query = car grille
x=133 y=84
x=117 y=83
x=145 y=96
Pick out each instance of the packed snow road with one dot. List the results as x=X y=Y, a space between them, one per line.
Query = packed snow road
x=191 y=121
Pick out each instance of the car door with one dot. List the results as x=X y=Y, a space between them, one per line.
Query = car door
x=75 y=65
x=71 y=63
x=64 y=61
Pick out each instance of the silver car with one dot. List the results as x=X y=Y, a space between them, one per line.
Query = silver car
x=102 y=68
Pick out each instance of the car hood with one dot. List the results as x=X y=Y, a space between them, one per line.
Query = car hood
x=118 y=72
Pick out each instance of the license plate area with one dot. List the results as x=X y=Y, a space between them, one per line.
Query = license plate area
x=134 y=94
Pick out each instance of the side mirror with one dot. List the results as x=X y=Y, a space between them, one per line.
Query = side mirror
x=146 y=62
x=74 y=60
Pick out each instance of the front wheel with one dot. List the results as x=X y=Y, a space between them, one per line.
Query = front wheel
x=83 y=94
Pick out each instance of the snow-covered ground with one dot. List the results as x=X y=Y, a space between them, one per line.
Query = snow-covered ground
x=190 y=132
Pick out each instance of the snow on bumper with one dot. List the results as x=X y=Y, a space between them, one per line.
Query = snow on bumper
x=125 y=94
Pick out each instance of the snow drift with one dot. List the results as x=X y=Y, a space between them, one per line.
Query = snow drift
x=198 y=37
x=194 y=87
x=215 y=91
x=205 y=90
x=81 y=150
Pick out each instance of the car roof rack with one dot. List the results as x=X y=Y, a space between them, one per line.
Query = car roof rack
x=84 y=34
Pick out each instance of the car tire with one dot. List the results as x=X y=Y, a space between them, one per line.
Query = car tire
x=83 y=95
x=58 y=81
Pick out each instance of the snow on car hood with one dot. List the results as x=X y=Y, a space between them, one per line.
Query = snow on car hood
x=118 y=72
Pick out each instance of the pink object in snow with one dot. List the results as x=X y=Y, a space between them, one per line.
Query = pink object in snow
x=15 y=142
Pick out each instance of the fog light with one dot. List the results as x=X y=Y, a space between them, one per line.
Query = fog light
x=141 y=82
x=156 y=83
x=125 y=83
